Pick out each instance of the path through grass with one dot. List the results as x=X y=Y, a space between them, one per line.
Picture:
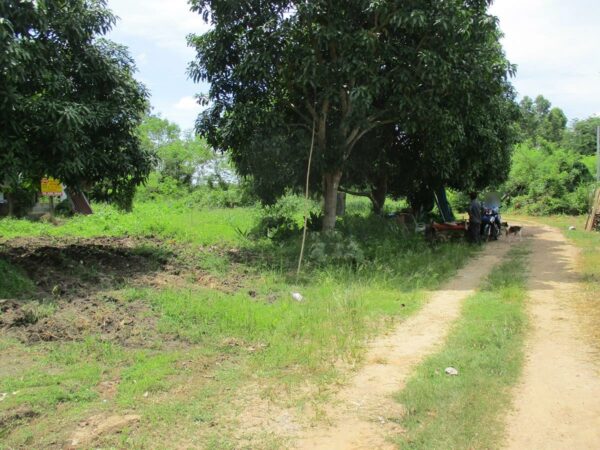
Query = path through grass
x=466 y=411
x=588 y=305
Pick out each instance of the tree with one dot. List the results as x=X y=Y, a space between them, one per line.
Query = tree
x=540 y=120
x=583 y=135
x=154 y=132
x=69 y=105
x=345 y=68
x=178 y=156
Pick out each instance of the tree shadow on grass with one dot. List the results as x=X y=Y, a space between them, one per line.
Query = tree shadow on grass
x=75 y=268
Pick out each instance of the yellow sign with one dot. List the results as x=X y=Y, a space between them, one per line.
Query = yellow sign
x=51 y=187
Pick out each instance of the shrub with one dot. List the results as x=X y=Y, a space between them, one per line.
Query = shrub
x=286 y=217
x=334 y=247
x=548 y=180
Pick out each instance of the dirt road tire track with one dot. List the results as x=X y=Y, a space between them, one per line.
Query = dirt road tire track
x=358 y=416
x=557 y=403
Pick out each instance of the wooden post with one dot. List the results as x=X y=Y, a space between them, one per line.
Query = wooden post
x=594 y=213
x=52 y=207
x=598 y=154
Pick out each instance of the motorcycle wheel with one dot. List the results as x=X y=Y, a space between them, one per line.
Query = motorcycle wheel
x=496 y=232
x=487 y=233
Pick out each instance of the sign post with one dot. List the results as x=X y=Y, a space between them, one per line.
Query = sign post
x=51 y=188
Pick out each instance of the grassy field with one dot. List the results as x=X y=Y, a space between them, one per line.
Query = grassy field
x=168 y=219
x=486 y=347
x=174 y=318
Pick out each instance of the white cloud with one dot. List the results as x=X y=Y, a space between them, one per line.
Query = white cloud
x=183 y=112
x=554 y=44
x=188 y=104
x=166 y=24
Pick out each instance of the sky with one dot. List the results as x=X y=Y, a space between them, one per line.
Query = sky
x=554 y=43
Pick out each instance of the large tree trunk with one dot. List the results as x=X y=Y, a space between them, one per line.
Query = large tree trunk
x=379 y=194
x=331 y=183
x=11 y=204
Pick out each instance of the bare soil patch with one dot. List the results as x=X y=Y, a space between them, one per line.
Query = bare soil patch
x=131 y=324
x=97 y=426
x=76 y=279
x=75 y=268
x=16 y=417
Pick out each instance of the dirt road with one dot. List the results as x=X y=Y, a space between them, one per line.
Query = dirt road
x=557 y=404
x=358 y=417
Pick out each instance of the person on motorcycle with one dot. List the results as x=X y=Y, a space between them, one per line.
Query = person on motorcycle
x=474 y=219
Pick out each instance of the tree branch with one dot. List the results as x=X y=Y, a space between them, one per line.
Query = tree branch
x=358 y=194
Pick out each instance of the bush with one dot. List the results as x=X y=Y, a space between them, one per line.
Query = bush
x=216 y=195
x=231 y=196
x=23 y=197
x=459 y=201
x=286 y=217
x=548 y=180
x=159 y=186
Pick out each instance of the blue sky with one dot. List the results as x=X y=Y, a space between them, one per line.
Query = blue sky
x=555 y=43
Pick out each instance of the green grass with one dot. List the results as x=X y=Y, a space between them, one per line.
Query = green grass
x=170 y=220
x=148 y=374
x=219 y=340
x=466 y=411
x=13 y=282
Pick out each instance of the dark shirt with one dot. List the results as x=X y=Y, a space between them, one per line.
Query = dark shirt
x=475 y=212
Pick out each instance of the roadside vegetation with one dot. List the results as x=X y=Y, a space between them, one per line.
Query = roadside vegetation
x=486 y=347
x=553 y=166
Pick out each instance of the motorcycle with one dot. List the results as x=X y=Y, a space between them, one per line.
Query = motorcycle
x=490 y=219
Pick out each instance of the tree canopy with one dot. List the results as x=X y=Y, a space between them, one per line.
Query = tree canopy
x=348 y=68
x=540 y=120
x=178 y=156
x=583 y=135
x=69 y=105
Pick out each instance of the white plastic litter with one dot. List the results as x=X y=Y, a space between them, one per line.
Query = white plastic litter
x=451 y=371
x=572 y=228
x=297 y=296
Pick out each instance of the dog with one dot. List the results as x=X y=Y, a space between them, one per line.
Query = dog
x=514 y=230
